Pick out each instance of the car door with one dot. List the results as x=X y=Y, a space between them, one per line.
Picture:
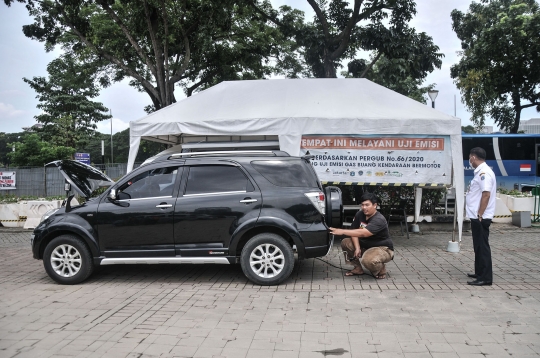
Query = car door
x=139 y=223
x=217 y=199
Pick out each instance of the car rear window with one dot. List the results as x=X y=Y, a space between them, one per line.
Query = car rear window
x=216 y=179
x=287 y=173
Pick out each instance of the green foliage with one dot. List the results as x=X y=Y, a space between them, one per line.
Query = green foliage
x=196 y=44
x=397 y=75
x=468 y=129
x=160 y=44
x=395 y=196
x=32 y=151
x=6 y=138
x=499 y=70
x=515 y=192
x=68 y=117
x=340 y=31
x=147 y=149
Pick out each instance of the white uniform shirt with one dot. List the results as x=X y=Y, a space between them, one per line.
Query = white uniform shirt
x=483 y=180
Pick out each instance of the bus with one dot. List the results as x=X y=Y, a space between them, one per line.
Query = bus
x=515 y=158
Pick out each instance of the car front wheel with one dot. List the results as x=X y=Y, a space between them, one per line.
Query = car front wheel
x=67 y=260
x=267 y=259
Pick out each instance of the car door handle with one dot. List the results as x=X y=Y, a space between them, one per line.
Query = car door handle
x=164 y=206
x=247 y=201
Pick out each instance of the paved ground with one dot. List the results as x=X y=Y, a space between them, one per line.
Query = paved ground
x=424 y=309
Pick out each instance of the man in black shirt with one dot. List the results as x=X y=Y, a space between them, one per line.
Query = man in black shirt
x=369 y=244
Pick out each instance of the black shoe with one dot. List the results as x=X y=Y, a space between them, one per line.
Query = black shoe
x=472 y=275
x=479 y=283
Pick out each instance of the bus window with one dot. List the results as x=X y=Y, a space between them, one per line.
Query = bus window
x=517 y=148
x=484 y=143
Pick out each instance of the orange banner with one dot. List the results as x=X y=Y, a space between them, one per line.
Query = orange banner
x=381 y=143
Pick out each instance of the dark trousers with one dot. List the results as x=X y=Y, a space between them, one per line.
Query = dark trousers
x=482 y=252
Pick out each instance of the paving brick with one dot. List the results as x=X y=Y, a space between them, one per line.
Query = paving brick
x=424 y=308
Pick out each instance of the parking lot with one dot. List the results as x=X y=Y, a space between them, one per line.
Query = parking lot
x=423 y=309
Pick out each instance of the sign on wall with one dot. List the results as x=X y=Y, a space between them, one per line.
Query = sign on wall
x=370 y=159
x=7 y=180
x=83 y=158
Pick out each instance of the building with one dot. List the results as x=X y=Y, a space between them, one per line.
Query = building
x=486 y=130
x=531 y=126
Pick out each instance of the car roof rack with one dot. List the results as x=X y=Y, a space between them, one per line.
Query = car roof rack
x=255 y=153
x=233 y=145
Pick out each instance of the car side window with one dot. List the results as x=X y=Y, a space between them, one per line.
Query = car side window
x=152 y=183
x=216 y=179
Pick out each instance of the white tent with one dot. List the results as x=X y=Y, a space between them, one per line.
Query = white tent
x=291 y=108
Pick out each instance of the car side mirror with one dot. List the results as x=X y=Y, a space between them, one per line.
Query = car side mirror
x=112 y=194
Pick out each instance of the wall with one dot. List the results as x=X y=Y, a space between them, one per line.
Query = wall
x=43 y=182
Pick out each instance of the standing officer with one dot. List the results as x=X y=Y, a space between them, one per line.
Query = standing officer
x=481 y=198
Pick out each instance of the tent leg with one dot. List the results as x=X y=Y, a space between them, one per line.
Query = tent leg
x=453 y=246
x=417 y=204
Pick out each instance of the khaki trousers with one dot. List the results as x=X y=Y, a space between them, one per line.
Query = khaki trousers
x=372 y=259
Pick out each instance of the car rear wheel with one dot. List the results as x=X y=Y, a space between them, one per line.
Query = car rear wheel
x=67 y=260
x=267 y=259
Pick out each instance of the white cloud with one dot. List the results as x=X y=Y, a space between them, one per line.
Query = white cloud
x=8 y=111
x=117 y=126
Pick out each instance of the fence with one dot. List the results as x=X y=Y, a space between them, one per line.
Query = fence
x=43 y=182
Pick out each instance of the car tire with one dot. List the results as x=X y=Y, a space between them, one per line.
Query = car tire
x=68 y=260
x=267 y=259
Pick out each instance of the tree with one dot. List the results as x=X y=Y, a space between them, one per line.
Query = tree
x=159 y=43
x=397 y=75
x=5 y=148
x=120 y=148
x=339 y=32
x=68 y=117
x=32 y=151
x=499 y=70
x=468 y=129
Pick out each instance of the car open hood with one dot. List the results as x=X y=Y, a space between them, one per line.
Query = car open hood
x=83 y=178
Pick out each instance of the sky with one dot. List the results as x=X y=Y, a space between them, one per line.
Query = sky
x=22 y=57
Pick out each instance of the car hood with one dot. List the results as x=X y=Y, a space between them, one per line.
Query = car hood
x=83 y=178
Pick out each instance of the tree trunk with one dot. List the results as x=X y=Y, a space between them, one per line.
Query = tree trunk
x=517 y=119
x=516 y=101
x=329 y=68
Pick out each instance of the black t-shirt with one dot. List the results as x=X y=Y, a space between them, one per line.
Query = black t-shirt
x=376 y=225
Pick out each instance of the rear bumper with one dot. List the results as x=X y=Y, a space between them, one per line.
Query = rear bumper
x=317 y=243
x=316 y=251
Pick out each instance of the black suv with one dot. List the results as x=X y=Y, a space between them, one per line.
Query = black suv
x=252 y=207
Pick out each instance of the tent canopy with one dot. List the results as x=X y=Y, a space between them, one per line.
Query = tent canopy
x=290 y=108
x=274 y=107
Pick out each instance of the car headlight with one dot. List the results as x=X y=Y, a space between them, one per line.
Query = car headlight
x=47 y=214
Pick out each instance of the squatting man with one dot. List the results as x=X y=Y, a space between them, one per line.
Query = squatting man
x=369 y=244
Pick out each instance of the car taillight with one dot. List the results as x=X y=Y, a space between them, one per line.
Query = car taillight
x=317 y=199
